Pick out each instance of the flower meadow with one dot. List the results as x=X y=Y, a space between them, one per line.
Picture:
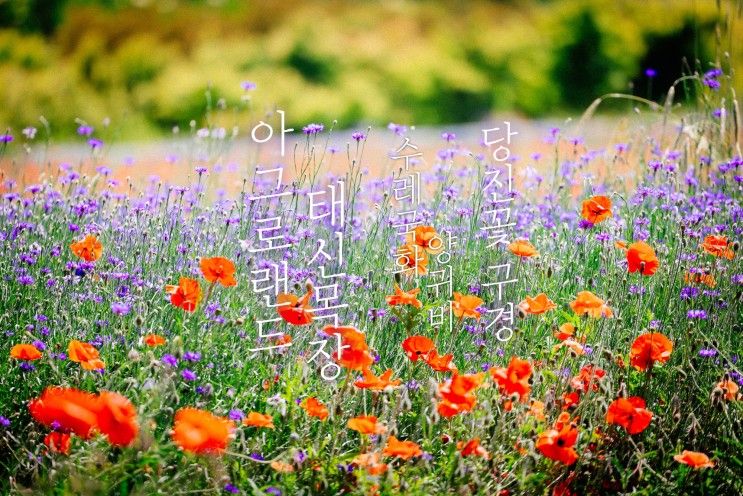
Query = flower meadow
x=144 y=352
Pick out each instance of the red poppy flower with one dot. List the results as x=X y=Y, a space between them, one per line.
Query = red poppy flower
x=718 y=246
x=472 y=448
x=153 y=340
x=641 y=258
x=294 y=310
x=630 y=413
x=404 y=297
x=587 y=379
x=596 y=209
x=374 y=383
x=315 y=408
x=694 y=459
x=412 y=259
x=66 y=409
x=117 y=418
x=27 y=352
x=649 y=348
x=522 y=248
x=58 y=442
x=355 y=353
x=466 y=305
x=513 y=379
x=416 y=347
x=84 y=354
x=538 y=305
x=402 y=449
x=89 y=249
x=427 y=238
x=218 y=270
x=557 y=443
x=440 y=363
x=587 y=303
x=186 y=295
x=366 y=425
x=199 y=431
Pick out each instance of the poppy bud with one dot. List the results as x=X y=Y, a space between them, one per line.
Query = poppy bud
x=138 y=320
x=308 y=286
x=549 y=272
x=735 y=246
x=397 y=277
x=445 y=438
x=297 y=286
x=239 y=321
x=520 y=313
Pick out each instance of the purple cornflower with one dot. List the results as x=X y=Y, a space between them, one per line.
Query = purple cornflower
x=95 y=143
x=84 y=130
x=188 y=375
x=689 y=292
x=236 y=414
x=313 y=128
x=29 y=132
x=696 y=314
x=26 y=280
x=707 y=352
x=650 y=72
x=120 y=308
x=231 y=489
x=192 y=356
x=447 y=136
x=4 y=421
x=39 y=345
x=6 y=138
x=26 y=367
x=358 y=136
x=248 y=85
x=585 y=224
x=169 y=360
x=273 y=490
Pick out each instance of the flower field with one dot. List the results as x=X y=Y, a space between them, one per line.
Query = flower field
x=303 y=336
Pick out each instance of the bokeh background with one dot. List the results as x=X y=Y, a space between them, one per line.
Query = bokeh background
x=149 y=65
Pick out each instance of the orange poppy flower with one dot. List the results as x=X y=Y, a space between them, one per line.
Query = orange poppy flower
x=522 y=248
x=199 y=431
x=569 y=400
x=718 y=246
x=26 y=352
x=366 y=425
x=67 y=409
x=587 y=379
x=404 y=297
x=296 y=311
x=153 y=340
x=649 y=348
x=89 y=249
x=572 y=344
x=218 y=270
x=117 y=418
x=356 y=356
x=538 y=305
x=402 y=449
x=412 y=259
x=440 y=363
x=630 y=413
x=587 y=303
x=466 y=306
x=186 y=295
x=371 y=462
x=284 y=339
x=282 y=467
x=427 y=238
x=416 y=347
x=697 y=278
x=458 y=394
x=641 y=258
x=514 y=379
x=729 y=389
x=315 y=408
x=84 y=354
x=566 y=331
x=374 y=383
x=596 y=209
x=58 y=442
x=694 y=459
x=472 y=448
x=536 y=409
x=557 y=443
x=255 y=419
x=621 y=244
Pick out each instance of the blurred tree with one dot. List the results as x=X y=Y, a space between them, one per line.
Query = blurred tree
x=581 y=66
